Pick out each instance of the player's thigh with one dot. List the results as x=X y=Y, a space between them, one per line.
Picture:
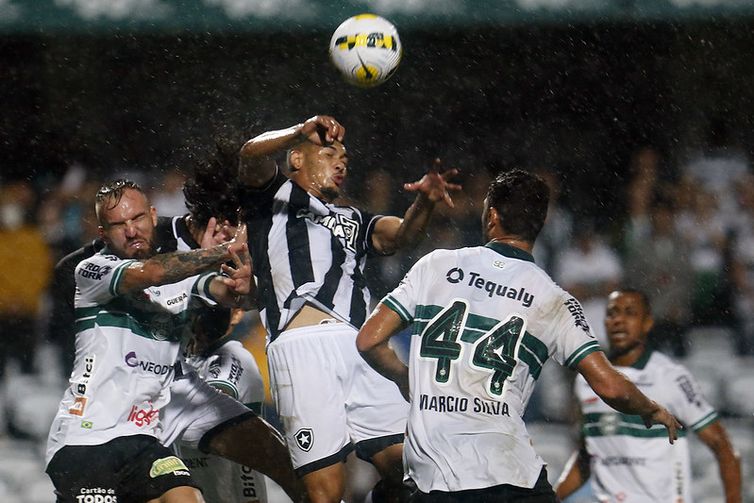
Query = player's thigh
x=83 y=473
x=126 y=469
x=180 y=495
x=307 y=385
x=152 y=473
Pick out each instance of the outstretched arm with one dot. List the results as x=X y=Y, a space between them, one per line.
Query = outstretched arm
x=173 y=267
x=728 y=460
x=622 y=395
x=372 y=343
x=257 y=163
x=392 y=233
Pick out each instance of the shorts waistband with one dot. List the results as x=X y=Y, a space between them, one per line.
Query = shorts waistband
x=328 y=326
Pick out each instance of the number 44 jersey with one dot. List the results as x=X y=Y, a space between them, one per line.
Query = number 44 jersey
x=484 y=322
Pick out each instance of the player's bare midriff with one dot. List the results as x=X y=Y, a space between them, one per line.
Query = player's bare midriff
x=308 y=316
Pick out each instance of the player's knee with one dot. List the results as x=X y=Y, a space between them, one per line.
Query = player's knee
x=326 y=485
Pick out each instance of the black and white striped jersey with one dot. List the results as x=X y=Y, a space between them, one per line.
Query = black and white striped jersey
x=306 y=250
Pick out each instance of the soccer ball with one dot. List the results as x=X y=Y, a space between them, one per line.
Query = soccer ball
x=366 y=50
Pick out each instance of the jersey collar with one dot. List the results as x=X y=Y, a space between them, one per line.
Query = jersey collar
x=510 y=251
x=643 y=359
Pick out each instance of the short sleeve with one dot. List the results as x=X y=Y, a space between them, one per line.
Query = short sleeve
x=97 y=279
x=254 y=200
x=370 y=221
x=573 y=337
x=688 y=404
x=403 y=300
x=200 y=288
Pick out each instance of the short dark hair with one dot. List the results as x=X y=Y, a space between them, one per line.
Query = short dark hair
x=112 y=192
x=212 y=322
x=521 y=199
x=212 y=191
x=643 y=297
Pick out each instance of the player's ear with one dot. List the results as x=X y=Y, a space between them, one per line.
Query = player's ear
x=153 y=215
x=648 y=323
x=295 y=159
x=493 y=218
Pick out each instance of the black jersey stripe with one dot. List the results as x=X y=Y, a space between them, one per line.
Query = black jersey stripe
x=329 y=288
x=259 y=244
x=297 y=235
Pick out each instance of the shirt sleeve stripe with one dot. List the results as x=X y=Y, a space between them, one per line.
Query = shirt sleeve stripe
x=226 y=387
x=705 y=421
x=117 y=275
x=398 y=308
x=202 y=285
x=584 y=350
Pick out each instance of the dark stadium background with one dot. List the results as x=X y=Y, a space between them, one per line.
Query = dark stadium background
x=580 y=98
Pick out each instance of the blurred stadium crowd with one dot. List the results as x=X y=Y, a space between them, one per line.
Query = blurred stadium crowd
x=651 y=169
x=688 y=241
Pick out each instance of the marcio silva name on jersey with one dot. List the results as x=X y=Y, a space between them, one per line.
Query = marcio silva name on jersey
x=473 y=279
x=339 y=225
x=450 y=403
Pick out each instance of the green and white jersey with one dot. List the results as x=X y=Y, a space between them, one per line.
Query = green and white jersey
x=633 y=464
x=230 y=368
x=485 y=321
x=126 y=347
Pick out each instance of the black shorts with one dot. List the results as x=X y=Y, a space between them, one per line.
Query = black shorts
x=130 y=469
x=541 y=493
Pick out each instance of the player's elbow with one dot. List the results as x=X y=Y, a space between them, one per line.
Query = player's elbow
x=363 y=343
x=611 y=391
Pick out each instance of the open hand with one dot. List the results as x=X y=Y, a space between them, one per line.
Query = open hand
x=436 y=186
x=238 y=277
x=216 y=233
x=661 y=415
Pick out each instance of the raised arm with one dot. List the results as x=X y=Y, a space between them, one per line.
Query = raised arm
x=393 y=233
x=372 y=343
x=257 y=156
x=716 y=438
x=622 y=395
x=173 y=267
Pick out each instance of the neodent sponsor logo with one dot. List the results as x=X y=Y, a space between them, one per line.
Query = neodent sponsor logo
x=155 y=368
x=131 y=359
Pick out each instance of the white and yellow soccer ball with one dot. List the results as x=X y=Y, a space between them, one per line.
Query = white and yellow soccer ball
x=366 y=50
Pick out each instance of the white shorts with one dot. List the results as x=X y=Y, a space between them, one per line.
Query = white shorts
x=329 y=398
x=195 y=408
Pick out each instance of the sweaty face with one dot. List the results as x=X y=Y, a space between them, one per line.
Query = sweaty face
x=128 y=228
x=322 y=169
x=627 y=323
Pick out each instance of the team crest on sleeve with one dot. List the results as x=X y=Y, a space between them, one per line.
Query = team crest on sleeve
x=577 y=312
x=304 y=439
